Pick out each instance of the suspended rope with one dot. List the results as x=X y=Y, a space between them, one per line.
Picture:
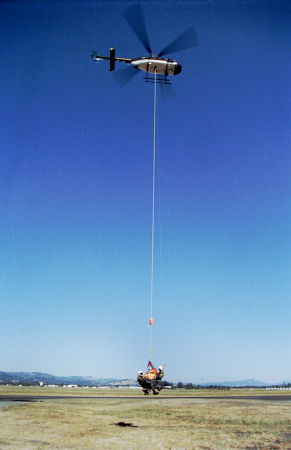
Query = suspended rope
x=153 y=212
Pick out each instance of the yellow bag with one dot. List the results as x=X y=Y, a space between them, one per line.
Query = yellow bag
x=151 y=374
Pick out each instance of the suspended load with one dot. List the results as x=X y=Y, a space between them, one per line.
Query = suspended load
x=151 y=381
x=152 y=371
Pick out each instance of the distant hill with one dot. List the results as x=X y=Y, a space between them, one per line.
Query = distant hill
x=37 y=377
x=5 y=377
x=46 y=378
x=250 y=382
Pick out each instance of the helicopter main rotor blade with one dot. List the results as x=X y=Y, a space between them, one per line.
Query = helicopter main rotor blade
x=167 y=91
x=188 y=39
x=124 y=75
x=134 y=18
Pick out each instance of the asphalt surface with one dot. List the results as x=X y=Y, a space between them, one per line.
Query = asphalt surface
x=39 y=398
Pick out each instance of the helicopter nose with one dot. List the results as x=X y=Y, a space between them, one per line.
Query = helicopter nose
x=178 y=69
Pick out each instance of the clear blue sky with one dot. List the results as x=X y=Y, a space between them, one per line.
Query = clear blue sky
x=76 y=193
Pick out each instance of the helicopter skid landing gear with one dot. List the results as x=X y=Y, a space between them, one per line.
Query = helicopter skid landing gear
x=156 y=80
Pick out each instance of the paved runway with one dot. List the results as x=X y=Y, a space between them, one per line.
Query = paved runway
x=39 y=398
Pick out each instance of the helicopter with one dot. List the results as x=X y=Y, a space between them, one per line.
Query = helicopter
x=152 y=64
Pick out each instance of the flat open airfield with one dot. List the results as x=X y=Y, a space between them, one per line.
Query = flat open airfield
x=37 y=398
x=56 y=418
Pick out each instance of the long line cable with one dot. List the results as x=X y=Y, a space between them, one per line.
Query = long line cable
x=153 y=212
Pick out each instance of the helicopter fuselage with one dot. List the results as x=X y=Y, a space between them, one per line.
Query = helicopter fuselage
x=157 y=65
x=151 y=64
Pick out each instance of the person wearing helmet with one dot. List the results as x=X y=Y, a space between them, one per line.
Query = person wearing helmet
x=159 y=378
x=161 y=373
x=156 y=381
x=143 y=383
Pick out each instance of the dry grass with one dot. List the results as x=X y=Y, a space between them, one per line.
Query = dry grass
x=161 y=423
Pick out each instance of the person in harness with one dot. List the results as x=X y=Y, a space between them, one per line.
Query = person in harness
x=145 y=385
x=158 y=378
x=153 y=377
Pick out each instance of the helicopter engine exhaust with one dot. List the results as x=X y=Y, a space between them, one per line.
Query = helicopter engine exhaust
x=112 y=59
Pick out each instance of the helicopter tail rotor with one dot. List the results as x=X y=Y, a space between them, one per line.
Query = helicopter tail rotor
x=95 y=55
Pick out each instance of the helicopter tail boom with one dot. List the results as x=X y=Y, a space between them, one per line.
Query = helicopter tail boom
x=111 y=58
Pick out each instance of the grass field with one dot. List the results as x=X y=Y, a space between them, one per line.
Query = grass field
x=145 y=422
